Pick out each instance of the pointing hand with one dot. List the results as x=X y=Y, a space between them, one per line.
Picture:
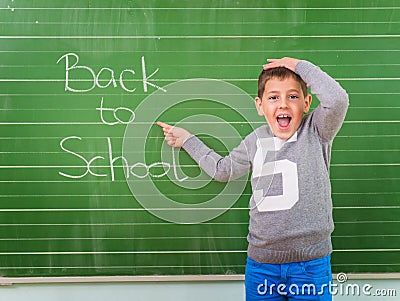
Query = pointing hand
x=174 y=136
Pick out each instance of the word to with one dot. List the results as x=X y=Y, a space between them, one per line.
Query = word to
x=115 y=114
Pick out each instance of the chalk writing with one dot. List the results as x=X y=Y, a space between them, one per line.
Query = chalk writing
x=115 y=111
x=72 y=68
x=106 y=77
x=137 y=169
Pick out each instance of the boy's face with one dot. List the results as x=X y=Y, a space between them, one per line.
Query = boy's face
x=283 y=105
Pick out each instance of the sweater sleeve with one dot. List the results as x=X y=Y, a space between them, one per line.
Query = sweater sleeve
x=222 y=169
x=328 y=117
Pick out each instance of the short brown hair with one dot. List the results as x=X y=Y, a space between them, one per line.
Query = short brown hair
x=280 y=73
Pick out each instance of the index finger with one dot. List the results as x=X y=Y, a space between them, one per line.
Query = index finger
x=164 y=125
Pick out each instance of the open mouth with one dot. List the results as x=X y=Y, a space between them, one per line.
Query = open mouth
x=283 y=121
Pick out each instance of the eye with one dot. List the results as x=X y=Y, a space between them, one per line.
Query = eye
x=273 y=98
x=293 y=97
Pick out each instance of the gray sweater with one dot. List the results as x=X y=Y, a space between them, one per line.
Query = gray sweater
x=291 y=205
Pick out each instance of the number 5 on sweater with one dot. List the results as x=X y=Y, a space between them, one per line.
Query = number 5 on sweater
x=287 y=168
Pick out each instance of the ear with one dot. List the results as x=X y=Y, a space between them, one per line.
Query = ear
x=307 y=103
x=258 y=103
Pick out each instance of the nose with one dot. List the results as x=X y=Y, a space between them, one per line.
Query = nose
x=283 y=103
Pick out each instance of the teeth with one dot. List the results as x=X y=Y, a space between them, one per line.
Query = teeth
x=283 y=116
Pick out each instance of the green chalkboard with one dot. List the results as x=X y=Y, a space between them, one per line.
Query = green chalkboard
x=87 y=185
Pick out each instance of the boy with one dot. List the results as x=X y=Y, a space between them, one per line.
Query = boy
x=291 y=207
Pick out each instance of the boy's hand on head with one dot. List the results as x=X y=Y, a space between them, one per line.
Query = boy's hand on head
x=174 y=136
x=287 y=62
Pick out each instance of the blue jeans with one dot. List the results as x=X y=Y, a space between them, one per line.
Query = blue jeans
x=306 y=280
